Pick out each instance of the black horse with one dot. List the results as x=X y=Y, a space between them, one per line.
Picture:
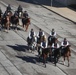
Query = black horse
x=14 y=21
x=44 y=53
x=66 y=53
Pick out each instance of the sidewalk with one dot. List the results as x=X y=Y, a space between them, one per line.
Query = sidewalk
x=59 y=9
x=64 y=12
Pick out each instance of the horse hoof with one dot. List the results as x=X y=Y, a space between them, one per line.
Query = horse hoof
x=68 y=65
x=45 y=66
x=55 y=64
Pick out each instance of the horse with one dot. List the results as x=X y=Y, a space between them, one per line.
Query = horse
x=56 y=54
x=31 y=43
x=44 y=53
x=65 y=53
x=26 y=23
x=14 y=21
x=6 y=20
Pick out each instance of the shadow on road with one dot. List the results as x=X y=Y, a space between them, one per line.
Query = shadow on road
x=19 y=47
x=30 y=59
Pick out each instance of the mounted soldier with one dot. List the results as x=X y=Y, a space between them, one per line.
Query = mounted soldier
x=20 y=10
x=53 y=33
x=8 y=9
x=39 y=35
x=52 y=37
x=32 y=35
x=64 y=44
x=43 y=45
x=15 y=20
x=31 y=40
x=25 y=14
x=55 y=45
x=25 y=20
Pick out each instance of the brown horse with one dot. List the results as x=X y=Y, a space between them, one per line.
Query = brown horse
x=26 y=23
x=7 y=23
x=7 y=20
x=66 y=53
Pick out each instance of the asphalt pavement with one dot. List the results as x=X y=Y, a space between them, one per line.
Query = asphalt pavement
x=15 y=61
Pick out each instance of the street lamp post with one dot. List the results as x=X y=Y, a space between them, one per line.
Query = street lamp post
x=51 y=3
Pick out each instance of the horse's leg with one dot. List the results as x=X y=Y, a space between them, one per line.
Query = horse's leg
x=7 y=26
x=64 y=60
x=39 y=53
x=50 y=56
x=44 y=59
x=68 y=61
x=16 y=25
x=24 y=26
x=55 y=60
x=27 y=27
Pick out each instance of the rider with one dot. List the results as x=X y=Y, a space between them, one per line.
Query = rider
x=8 y=8
x=55 y=45
x=64 y=44
x=25 y=14
x=20 y=9
x=52 y=36
x=32 y=35
x=53 y=33
x=44 y=44
x=40 y=33
x=16 y=14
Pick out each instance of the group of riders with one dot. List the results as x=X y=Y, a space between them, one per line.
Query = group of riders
x=8 y=17
x=42 y=42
